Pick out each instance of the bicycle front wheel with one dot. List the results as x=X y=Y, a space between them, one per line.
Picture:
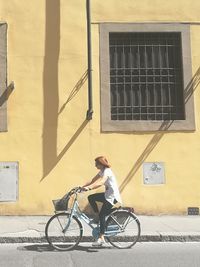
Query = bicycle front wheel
x=63 y=232
x=123 y=229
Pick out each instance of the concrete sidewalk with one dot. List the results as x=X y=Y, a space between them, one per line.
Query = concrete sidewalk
x=17 y=229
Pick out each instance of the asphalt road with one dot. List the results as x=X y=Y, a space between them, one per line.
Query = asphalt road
x=141 y=255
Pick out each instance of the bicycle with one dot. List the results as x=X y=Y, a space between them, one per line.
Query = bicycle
x=64 y=229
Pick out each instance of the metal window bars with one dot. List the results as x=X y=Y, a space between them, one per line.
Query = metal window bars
x=146 y=78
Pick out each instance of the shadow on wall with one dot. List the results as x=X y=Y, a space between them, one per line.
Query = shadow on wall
x=51 y=88
x=189 y=90
x=75 y=90
x=6 y=94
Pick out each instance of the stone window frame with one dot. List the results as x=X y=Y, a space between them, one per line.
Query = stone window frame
x=3 y=77
x=108 y=125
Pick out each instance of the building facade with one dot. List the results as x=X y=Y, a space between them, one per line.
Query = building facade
x=145 y=97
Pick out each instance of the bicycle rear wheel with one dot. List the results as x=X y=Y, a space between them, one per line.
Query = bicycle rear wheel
x=63 y=240
x=122 y=229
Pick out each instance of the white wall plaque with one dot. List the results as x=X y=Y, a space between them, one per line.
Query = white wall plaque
x=153 y=173
x=8 y=181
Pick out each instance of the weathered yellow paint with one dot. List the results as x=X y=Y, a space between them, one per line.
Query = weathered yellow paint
x=47 y=131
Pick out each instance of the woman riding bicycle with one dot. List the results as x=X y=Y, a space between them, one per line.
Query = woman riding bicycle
x=110 y=197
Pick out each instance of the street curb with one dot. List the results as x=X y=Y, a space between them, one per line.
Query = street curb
x=143 y=238
x=170 y=238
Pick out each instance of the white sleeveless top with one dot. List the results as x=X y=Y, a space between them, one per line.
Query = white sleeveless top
x=112 y=191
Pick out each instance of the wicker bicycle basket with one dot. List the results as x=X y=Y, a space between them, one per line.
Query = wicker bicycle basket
x=61 y=204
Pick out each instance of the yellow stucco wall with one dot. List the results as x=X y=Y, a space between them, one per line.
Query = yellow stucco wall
x=47 y=131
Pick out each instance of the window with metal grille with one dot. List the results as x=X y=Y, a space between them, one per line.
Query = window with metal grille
x=146 y=81
x=146 y=76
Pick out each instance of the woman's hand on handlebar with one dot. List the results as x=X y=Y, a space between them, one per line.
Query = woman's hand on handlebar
x=79 y=189
x=85 y=188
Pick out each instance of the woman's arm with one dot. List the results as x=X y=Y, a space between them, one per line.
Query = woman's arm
x=94 y=179
x=99 y=181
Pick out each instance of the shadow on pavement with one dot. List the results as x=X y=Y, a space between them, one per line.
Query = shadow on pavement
x=47 y=248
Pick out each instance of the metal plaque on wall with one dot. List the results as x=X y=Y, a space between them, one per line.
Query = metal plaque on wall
x=8 y=181
x=153 y=173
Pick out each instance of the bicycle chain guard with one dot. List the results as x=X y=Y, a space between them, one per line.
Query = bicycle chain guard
x=95 y=232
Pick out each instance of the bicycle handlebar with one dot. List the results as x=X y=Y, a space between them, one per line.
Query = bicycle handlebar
x=75 y=190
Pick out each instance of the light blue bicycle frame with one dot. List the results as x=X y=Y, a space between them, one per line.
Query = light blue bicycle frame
x=76 y=212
